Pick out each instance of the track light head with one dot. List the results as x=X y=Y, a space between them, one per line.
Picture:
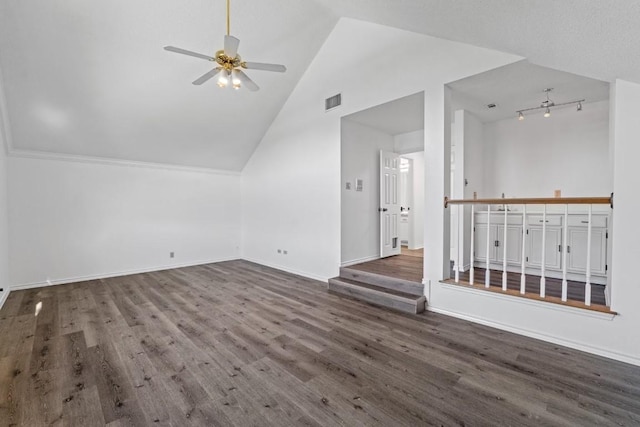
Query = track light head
x=579 y=108
x=520 y=116
x=547 y=112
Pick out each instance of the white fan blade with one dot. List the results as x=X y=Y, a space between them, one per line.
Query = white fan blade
x=247 y=82
x=231 y=46
x=266 y=67
x=188 y=52
x=205 y=77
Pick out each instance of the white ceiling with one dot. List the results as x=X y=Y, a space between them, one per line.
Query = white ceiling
x=90 y=78
x=395 y=117
x=519 y=86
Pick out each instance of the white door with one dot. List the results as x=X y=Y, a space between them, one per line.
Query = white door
x=553 y=248
x=514 y=244
x=389 y=204
x=577 y=256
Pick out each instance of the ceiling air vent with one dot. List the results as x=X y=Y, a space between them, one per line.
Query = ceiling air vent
x=333 y=102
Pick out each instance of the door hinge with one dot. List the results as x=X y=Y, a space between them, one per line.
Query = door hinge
x=527 y=231
x=527 y=259
x=606 y=267
x=606 y=235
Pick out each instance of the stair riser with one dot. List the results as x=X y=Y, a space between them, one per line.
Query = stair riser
x=378 y=298
x=382 y=281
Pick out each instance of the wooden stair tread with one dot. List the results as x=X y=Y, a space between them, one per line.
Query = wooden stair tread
x=378 y=288
x=380 y=296
x=382 y=281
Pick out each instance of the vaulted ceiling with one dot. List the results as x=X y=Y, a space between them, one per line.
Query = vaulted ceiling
x=88 y=78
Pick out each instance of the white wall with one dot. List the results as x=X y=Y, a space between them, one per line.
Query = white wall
x=360 y=219
x=298 y=161
x=72 y=220
x=568 y=151
x=612 y=336
x=409 y=142
x=4 y=225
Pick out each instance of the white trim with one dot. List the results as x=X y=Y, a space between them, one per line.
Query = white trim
x=359 y=260
x=531 y=334
x=288 y=270
x=33 y=154
x=4 y=297
x=114 y=274
x=521 y=300
x=5 y=130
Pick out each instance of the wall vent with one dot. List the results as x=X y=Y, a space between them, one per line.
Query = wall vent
x=333 y=102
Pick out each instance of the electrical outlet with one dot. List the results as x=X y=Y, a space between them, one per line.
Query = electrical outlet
x=172 y=254
x=279 y=251
x=285 y=252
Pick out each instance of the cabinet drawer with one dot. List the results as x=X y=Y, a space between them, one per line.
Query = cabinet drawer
x=498 y=218
x=537 y=220
x=583 y=221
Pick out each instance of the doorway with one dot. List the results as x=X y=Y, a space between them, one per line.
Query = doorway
x=394 y=127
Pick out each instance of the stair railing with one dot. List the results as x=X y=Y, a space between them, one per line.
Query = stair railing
x=564 y=248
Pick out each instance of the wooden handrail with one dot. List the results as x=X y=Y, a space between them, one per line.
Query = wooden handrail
x=534 y=201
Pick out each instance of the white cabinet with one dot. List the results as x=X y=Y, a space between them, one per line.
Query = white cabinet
x=496 y=239
x=576 y=227
x=553 y=247
x=577 y=238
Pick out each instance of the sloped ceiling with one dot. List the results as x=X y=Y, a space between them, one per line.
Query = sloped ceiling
x=90 y=78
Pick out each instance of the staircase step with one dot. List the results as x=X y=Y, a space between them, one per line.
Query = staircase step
x=377 y=295
x=379 y=280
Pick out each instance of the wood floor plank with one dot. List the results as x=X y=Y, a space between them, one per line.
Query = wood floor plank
x=240 y=344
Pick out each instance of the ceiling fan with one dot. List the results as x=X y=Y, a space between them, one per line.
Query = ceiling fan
x=230 y=64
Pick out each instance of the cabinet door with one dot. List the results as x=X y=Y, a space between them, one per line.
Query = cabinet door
x=577 y=256
x=553 y=258
x=480 y=243
x=514 y=244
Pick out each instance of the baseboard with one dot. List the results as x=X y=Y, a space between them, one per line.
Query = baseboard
x=543 y=337
x=114 y=274
x=4 y=297
x=288 y=270
x=359 y=260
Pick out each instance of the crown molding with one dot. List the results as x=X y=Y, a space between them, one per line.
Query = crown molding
x=5 y=131
x=33 y=154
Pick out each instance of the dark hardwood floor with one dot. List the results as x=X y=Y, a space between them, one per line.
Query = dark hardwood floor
x=407 y=267
x=236 y=343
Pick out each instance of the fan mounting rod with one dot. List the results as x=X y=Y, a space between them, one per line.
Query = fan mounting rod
x=228 y=18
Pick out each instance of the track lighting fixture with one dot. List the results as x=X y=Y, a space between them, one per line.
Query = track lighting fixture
x=547 y=104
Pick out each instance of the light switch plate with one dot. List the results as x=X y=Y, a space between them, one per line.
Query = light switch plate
x=359 y=184
x=347 y=186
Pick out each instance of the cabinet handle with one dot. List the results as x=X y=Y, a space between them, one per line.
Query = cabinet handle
x=496 y=243
x=546 y=220
x=585 y=222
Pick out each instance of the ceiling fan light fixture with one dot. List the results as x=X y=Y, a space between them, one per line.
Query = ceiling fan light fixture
x=235 y=79
x=223 y=78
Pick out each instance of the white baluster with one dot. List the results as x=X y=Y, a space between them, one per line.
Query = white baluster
x=523 y=277
x=487 y=273
x=472 y=247
x=587 y=285
x=543 y=282
x=564 y=253
x=456 y=265
x=504 y=251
